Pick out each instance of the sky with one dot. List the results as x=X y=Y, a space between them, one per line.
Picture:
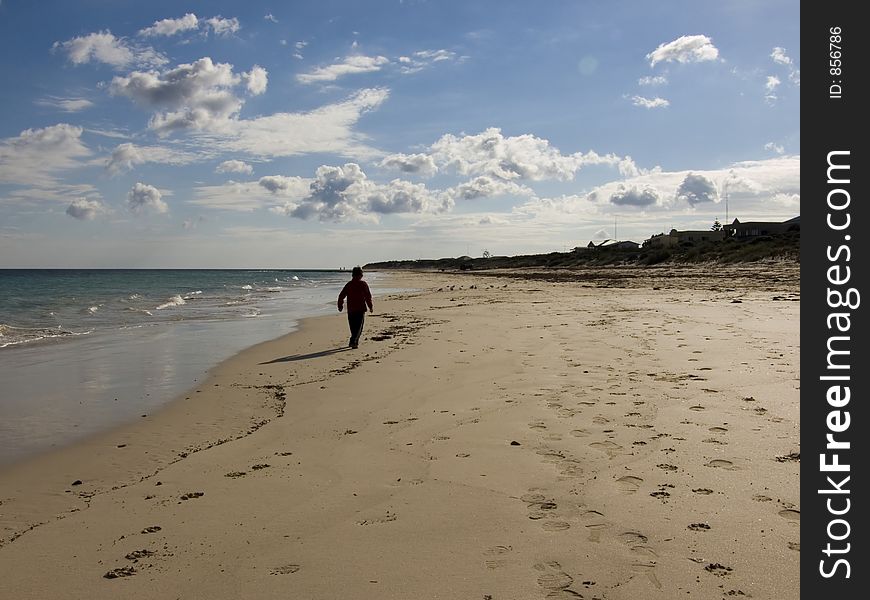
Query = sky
x=326 y=134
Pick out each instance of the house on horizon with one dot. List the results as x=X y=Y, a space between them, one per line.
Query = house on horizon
x=757 y=228
x=619 y=245
x=675 y=237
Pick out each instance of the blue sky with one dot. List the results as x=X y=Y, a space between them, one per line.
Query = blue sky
x=330 y=133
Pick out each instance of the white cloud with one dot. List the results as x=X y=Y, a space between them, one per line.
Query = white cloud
x=222 y=26
x=146 y=198
x=34 y=156
x=270 y=17
x=282 y=185
x=770 y=86
x=780 y=57
x=126 y=156
x=795 y=77
x=256 y=80
x=697 y=188
x=685 y=49
x=774 y=147
x=167 y=27
x=650 y=102
x=484 y=187
x=328 y=129
x=345 y=194
x=421 y=164
x=86 y=210
x=424 y=58
x=635 y=196
x=234 y=166
x=747 y=184
x=196 y=96
x=349 y=66
x=245 y=196
x=69 y=105
x=652 y=80
x=106 y=48
x=518 y=157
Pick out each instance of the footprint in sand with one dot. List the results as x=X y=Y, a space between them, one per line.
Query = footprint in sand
x=629 y=484
x=498 y=550
x=570 y=468
x=555 y=581
x=285 y=569
x=718 y=429
x=697 y=407
x=579 y=432
x=632 y=538
x=600 y=420
x=595 y=530
x=719 y=463
x=537 y=425
x=555 y=525
x=790 y=515
x=703 y=491
x=608 y=447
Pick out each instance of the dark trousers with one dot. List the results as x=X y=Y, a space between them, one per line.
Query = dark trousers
x=355 y=320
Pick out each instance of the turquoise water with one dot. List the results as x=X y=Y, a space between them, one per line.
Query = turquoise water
x=84 y=350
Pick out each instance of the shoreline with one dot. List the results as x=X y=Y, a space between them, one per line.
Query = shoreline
x=400 y=449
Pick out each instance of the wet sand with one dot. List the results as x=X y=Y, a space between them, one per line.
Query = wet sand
x=618 y=433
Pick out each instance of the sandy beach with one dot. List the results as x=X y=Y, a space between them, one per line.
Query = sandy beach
x=618 y=433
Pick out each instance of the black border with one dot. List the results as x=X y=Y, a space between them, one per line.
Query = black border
x=832 y=124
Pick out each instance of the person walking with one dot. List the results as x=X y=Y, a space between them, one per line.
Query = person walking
x=358 y=298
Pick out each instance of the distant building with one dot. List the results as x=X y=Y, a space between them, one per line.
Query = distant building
x=757 y=228
x=675 y=237
x=623 y=245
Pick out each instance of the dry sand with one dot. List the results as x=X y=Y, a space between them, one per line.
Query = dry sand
x=619 y=434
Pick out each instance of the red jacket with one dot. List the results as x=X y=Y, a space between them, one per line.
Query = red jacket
x=358 y=296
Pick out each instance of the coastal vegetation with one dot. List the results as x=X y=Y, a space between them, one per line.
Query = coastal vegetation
x=785 y=247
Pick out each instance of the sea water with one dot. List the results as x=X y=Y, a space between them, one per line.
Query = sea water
x=84 y=350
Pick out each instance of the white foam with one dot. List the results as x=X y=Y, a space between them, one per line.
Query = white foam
x=247 y=287
x=176 y=300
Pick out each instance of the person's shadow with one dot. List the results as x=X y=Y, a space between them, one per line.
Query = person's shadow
x=295 y=357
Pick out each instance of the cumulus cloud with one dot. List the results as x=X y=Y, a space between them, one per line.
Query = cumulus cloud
x=144 y=198
x=696 y=189
x=126 y=156
x=222 y=26
x=256 y=80
x=517 y=157
x=285 y=186
x=484 y=187
x=69 y=105
x=86 y=210
x=234 y=166
x=635 y=196
x=685 y=49
x=349 y=66
x=780 y=57
x=196 y=96
x=106 y=48
x=167 y=27
x=346 y=194
x=270 y=17
x=774 y=147
x=650 y=102
x=652 y=80
x=421 y=164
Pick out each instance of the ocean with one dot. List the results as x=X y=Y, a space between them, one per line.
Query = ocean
x=84 y=350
